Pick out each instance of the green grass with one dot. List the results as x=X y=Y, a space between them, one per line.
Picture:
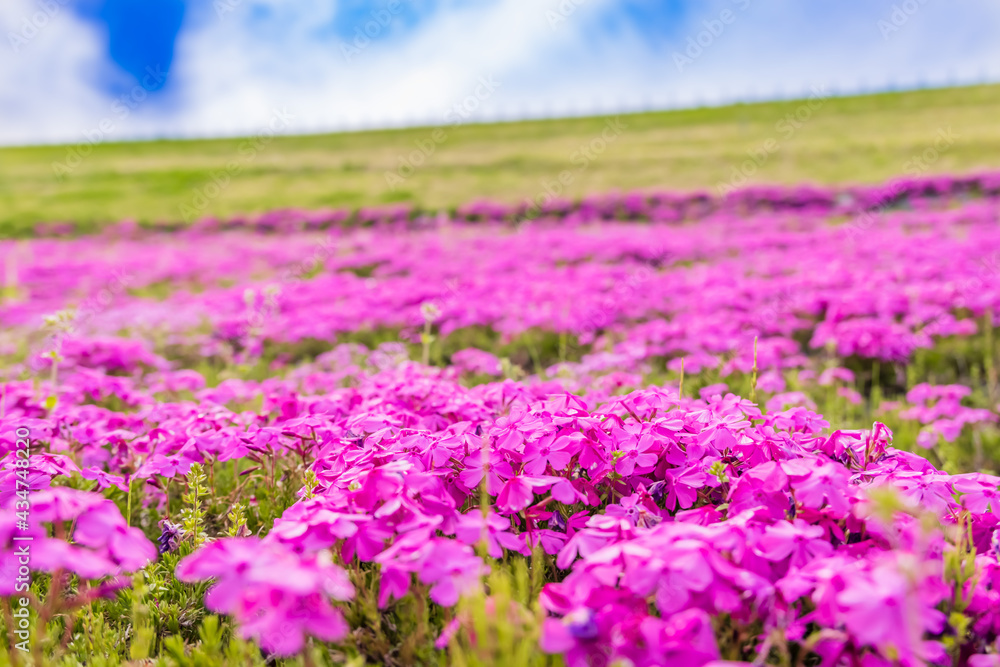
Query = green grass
x=849 y=139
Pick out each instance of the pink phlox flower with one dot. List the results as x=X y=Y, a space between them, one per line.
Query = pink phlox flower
x=104 y=479
x=453 y=569
x=37 y=481
x=686 y=639
x=886 y=606
x=599 y=531
x=53 y=464
x=831 y=375
x=573 y=491
x=519 y=491
x=275 y=595
x=640 y=512
x=922 y=490
x=315 y=524
x=551 y=450
x=394 y=583
x=377 y=486
x=177 y=465
x=771 y=382
x=51 y=555
x=476 y=361
x=765 y=487
x=850 y=395
x=508 y=431
x=680 y=486
x=102 y=543
x=633 y=452
x=60 y=503
x=796 y=540
x=471 y=529
x=719 y=389
x=673 y=574
x=103 y=527
x=819 y=483
x=790 y=399
x=495 y=469
x=980 y=492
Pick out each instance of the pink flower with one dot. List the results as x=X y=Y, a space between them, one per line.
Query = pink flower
x=637 y=510
x=393 y=584
x=103 y=545
x=980 y=492
x=886 y=609
x=451 y=567
x=104 y=479
x=680 y=487
x=519 y=492
x=516 y=494
x=771 y=382
x=454 y=570
x=820 y=483
x=549 y=451
x=795 y=540
x=275 y=595
x=763 y=487
x=830 y=375
x=103 y=526
x=686 y=639
x=496 y=469
x=852 y=396
x=471 y=529
x=632 y=452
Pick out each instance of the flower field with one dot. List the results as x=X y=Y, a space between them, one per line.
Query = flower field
x=638 y=429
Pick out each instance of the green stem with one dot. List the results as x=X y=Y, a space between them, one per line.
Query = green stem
x=991 y=371
x=426 y=340
x=680 y=388
x=876 y=394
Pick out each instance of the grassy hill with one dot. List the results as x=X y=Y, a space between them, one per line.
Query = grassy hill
x=822 y=140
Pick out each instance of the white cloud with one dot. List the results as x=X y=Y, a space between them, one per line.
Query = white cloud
x=417 y=77
x=232 y=72
x=45 y=73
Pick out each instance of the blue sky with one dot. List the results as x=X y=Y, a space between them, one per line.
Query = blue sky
x=74 y=70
